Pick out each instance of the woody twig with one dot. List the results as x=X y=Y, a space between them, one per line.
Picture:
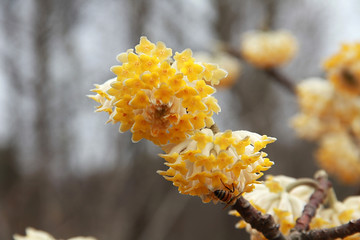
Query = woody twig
x=274 y=73
x=262 y=223
x=302 y=223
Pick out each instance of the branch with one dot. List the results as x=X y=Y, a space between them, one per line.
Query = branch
x=336 y=232
x=281 y=79
x=270 y=13
x=302 y=223
x=268 y=227
x=262 y=223
x=272 y=72
x=227 y=14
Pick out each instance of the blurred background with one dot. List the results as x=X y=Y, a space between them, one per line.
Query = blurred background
x=64 y=171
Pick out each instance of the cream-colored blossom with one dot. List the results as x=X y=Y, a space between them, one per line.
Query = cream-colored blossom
x=314 y=95
x=315 y=98
x=268 y=49
x=225 y=61
x=333 y=119
x=339 y=155
x=207 y=162
x=159 y=98
x=281 y=197
x=309 y=127
x=33 y=234
x=323 y=109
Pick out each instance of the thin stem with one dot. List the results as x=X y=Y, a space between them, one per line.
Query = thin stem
x=262 y=223
x=301 y=182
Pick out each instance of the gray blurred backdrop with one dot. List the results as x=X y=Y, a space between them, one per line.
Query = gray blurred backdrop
x=64 y=171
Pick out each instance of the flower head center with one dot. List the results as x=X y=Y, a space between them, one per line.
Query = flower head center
x=157 y=115
x=349 y=77
x=161 y=111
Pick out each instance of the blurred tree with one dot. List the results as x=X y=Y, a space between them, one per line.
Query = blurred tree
x=42 y=88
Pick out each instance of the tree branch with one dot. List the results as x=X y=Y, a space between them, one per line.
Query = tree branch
x=336 y=232
x=262 y=223
x=281 y=79
x=302 y=223
x=270 y=13
x=274 y=73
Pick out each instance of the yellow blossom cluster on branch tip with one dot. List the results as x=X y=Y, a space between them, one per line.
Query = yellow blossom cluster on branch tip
x=159 y=98
x=343 y=69
x=207 y=162
x=33 y=234
x=268 y=49
x=333 y=119
x=273 y=197
x=337 y=214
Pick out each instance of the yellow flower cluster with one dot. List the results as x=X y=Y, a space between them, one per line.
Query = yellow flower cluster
x=33 y=234
x=343 y=69
x=277 y=197
x=332 y=119
x=226 y=61
x=339 y=154
x=323 y=109
x=268 y=49
x=159 y=98
x=207 y=162
x=337 y=214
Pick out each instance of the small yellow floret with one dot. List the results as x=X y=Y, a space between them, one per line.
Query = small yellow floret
x=164 y=93
x=346 y=215
x=141 y=100
x=199 y=121
x=203 y=89
x=145 y=46
x=225 y=140
x=193 y=104
x=202 y=139
x=274 y=186
x=183 y=57
x=162 y=52
x=223 y=160
x=191 y=70
x=151 y=80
